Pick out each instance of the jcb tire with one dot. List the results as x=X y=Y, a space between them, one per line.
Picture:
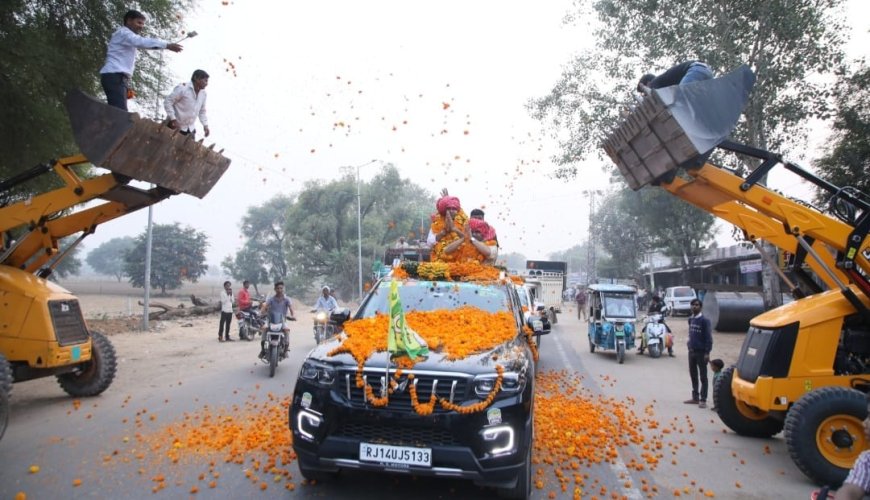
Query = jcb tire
x=824 y=433
x=5 y=390
x=94 y=376
x=738 y=416
x=5 y=375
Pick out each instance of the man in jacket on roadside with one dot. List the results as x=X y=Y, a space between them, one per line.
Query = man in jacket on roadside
x=700 y=344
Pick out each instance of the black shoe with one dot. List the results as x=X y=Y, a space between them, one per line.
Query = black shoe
x=671 y=354
x=262 y=354
x=220 y=339
x=230 y=340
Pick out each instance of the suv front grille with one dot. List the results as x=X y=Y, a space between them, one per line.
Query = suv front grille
x=69 y=325
x=396 y=434
x=451 y=387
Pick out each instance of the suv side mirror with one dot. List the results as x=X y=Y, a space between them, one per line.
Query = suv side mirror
x=339 y=315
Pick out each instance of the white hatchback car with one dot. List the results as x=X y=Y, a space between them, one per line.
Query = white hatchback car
x=678 y=299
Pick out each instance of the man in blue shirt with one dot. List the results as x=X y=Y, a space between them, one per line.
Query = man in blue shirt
x=276 y=309
x=700 y=344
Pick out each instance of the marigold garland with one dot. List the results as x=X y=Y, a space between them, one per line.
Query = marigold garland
x=472 y=271
x=532 y=344
x=472 y=330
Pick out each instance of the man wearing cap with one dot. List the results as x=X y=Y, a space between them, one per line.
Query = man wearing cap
x=121 y=57
x=186 y=103
x=685 y=72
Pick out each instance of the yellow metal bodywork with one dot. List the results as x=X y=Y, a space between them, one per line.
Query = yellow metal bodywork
x=26 y=330
x=820 y=318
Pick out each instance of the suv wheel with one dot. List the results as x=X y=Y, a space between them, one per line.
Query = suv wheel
x=523 y=488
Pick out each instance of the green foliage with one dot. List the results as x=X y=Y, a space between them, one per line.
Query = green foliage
x=71 y=264
x=514 y=261
x=576 y=257
x=783 y=41
x=323 y=226
x=262 y=258
x=177 y=254
x=48 y=47
x=847 y=158
x=311 y=238
x=108 y=258
x=622 y=233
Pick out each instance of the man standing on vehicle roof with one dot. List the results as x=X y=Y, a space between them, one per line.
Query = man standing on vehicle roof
x=685 y=72
x=121 y=57
x=700 y=344
x=186 y=103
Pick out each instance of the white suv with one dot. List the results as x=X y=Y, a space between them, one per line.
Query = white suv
x=678 y=299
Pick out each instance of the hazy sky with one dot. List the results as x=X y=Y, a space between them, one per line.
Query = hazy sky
x=299 y=89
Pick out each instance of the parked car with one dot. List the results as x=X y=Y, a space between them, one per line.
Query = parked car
x=678 y=299
x=335 y=426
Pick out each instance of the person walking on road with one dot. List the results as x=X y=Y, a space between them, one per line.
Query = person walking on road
x=226 y=313
x=121 y=57
x=580 y=298
x=700 y=344
x=186 y=103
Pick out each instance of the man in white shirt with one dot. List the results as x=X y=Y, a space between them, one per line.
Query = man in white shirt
x=226 y=299
x=186 y=103
x=121 y=57
x=326 y=302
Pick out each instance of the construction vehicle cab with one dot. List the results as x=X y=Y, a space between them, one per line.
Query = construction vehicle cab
x=43 y=332
x=804 y=367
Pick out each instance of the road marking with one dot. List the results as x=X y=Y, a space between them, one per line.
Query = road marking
x=618 y=466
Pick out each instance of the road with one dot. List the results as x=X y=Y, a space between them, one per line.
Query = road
x=171 y=382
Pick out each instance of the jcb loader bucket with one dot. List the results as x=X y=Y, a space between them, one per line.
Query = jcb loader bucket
x=142 y=149
x=675 y=125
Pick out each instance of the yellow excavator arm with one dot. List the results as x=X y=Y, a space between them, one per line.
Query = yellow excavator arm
x=678 y=127
x=130 y=148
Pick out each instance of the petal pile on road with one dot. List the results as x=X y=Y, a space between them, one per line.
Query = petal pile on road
x=576 y=431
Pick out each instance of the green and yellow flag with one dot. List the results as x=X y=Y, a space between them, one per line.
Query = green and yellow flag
x=401 y=340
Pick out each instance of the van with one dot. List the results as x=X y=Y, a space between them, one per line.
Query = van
x=678 y=299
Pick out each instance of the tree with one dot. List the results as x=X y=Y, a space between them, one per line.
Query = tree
x=514 y=261
x=71 y=264
x=262 y=257
x=622 y=234
x=177 y=254
x=48 y=47
x=576 y=257
x=322 y=222
x=847 y=158
x=108 y=258
x=310 y=238
x=783 y=41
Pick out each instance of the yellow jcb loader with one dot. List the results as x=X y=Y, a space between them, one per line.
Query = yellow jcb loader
x=42 y=330
x=804 y=368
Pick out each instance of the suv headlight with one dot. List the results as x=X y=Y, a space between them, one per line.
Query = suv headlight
x=318 y=373
x=511 y=383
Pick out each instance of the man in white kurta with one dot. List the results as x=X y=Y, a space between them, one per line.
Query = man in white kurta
x=186 y=103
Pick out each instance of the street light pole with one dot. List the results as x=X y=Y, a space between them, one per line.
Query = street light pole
x=359 y=235
x=358 y=223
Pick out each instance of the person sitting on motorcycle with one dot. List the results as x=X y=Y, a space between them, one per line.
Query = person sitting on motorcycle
x=275 y=309
x=244 y=298
x=325 y=302
x=656 y=306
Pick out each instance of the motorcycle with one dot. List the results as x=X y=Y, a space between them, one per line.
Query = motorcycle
x=250 y=321
x=275 y=345
x=656 y=337
x=326 y=323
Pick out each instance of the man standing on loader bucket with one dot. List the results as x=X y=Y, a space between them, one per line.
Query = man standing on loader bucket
x=121 y=57
x=685 y=72
x=186 y=103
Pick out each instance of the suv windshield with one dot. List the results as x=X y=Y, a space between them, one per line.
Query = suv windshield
x=683 y=291
x=433 y=295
